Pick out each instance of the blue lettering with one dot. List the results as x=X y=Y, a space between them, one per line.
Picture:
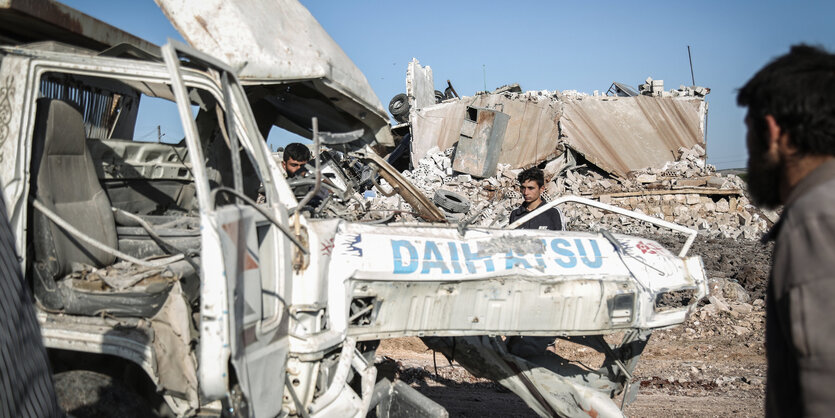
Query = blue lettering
x=432 y=259
x=453 y=256
x=570 y=260
x=399 y=267
x=512 y=261
x=470 y=258
x=598 y=259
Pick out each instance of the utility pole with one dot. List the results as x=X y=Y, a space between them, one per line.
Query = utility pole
x=690 y=57
x=484 y=73
x=159 y=134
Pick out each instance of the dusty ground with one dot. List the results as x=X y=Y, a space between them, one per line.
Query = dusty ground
x=713 y=365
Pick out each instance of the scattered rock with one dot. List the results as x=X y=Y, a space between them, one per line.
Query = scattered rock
x=720 y=306
x=743 y=308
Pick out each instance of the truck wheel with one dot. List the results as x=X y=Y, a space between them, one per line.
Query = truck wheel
x=82 y=393
x=451 y=201
x=448 y=94
x=399 y=107
x=439 y=96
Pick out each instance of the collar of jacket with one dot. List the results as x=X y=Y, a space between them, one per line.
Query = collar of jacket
x=818 y=176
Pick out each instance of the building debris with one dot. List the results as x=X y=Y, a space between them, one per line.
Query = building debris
x=480 y=143
x=639 y=150
x=619 y=132
x=623 y=134
x=686 y=191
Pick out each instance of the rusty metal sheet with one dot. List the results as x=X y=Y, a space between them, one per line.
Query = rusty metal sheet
x=411 y=194
x=44 y=20
x=624 y=134
x=531 y=135
x=481 y=141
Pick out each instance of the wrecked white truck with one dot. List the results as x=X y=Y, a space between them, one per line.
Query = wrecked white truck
x=161 y=282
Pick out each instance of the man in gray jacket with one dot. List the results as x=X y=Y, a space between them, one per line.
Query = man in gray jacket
x=791 y=147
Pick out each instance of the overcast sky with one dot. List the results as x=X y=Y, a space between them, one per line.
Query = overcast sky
x=551 y=45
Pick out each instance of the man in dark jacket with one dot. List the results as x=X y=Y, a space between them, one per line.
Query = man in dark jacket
x=532 y=185
x=791 y=146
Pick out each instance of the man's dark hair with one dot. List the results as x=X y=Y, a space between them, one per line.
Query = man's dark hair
x=534 y=174
x=798 y=90
x=296 y=151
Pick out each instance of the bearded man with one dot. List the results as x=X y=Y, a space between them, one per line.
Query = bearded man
x=791 y=162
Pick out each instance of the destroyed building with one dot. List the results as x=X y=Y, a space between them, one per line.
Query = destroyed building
x=641 y=151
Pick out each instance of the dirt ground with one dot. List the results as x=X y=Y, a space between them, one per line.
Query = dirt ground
x=711 y=366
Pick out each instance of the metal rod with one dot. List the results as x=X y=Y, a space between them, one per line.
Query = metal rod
x=318 y=185
x=54 y=217
x=360 y=313
x=192 y=137
x=449 y=83
x=690 y=57
x=259 y=209
x=577 y=199
x=235 y=149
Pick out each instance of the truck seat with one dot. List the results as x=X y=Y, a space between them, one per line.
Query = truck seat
x=64 y=180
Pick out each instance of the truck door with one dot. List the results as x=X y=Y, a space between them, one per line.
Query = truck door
x=245 y=265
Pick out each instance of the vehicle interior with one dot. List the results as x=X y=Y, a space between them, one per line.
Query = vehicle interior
x=114 y=217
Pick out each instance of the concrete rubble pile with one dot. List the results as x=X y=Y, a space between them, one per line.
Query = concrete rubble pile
x=687 y=191
x=615 y=147
x=491 y=199
x=656 y=88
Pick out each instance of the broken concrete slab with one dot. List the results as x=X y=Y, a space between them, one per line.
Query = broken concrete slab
x=624 y=134
x=420 y=88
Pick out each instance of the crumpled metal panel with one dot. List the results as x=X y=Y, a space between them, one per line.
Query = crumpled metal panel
x=436 y=282
x=481 y=141
x=278 y=41
x=624 y=134
x=531 y=135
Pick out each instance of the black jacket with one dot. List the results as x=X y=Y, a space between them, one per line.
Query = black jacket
x=550 y=219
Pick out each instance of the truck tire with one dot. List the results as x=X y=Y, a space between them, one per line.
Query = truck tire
x=83 y=393
x=399 y=107
x=448 y=94
x=439 y=96
x=451 y=201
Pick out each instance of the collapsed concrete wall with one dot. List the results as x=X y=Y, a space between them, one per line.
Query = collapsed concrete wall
x=640 y=150
x=531 y=134
x=688 y=192
x=620 y=132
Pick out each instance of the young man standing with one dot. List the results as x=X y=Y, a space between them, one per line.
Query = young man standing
x=532 y=185
x=791 y=161
x=296 y=155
